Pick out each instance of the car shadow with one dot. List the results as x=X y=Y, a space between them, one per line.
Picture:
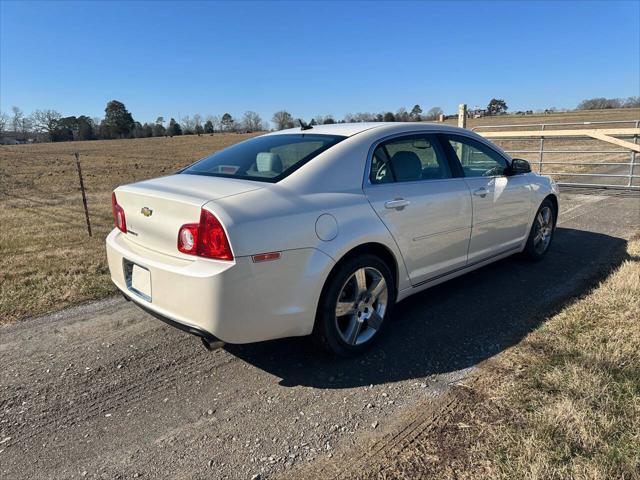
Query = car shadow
x=454 y=325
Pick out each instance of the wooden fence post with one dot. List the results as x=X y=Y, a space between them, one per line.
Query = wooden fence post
x=462 y=115
x=84 y=196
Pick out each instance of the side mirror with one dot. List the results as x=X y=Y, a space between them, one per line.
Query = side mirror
x=518 y=166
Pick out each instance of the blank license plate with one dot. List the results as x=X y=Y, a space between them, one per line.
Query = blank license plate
x=141 y=281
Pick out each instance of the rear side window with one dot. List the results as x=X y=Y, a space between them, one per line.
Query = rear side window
x=477 y=160
x=268 y=158
x=407 y=159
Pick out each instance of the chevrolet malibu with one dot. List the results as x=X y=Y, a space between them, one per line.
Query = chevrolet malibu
x=320 y=231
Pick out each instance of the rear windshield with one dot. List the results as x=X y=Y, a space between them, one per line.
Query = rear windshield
x=268 y=158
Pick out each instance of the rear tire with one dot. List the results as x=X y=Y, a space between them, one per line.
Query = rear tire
x=354 y=306
x=542 y=230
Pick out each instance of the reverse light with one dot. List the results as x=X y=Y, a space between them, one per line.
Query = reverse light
x=205 y=239
x=188 y=238
x=118 y=214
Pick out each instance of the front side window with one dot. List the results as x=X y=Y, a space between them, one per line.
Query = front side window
x=477 y=160
x=407 y=159
x=269 y=158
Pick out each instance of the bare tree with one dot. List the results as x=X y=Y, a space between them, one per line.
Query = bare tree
x=282 y=119
x=252 y=121
x=365 y=117
x=215 y=121
x=402 y=115
x=25 y=126
x=349 y=118
x=197 y=120
x=434 y=113
x=16 y=118
x=188 y=125
x=4 y=121
x=46 y=121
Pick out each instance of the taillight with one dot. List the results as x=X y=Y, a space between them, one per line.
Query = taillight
x=118 y=214
x=205 y=239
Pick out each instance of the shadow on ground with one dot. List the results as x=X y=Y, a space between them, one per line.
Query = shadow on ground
x=454 y=325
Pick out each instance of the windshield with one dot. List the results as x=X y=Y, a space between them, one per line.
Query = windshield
x=268 y=158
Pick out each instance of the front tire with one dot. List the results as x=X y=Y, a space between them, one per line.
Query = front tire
x=542 y=230
x=354 y=306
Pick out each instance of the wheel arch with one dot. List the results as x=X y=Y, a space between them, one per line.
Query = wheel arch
x=554 y=201
x=379 y=250
x=371 y=248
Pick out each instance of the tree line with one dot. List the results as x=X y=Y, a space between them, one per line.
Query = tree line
x=283 y=119
x=118 y=122
x=601 y=103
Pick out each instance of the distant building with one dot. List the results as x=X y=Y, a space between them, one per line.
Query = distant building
x=12 y=141
x=477 y=113
x=12 y=138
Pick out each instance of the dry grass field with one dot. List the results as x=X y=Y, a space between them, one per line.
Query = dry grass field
x=49 y=262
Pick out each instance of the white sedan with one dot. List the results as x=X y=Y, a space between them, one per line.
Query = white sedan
x=322 y=230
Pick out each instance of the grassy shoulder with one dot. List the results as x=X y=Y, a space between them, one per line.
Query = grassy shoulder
x=564 y=403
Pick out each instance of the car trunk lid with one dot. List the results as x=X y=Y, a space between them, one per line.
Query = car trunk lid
x=156 y=209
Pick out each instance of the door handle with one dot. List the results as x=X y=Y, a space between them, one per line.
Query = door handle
x=397 y=203
x=481 y=192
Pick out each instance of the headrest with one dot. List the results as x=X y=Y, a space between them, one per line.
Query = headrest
x=407 y=166
x=268 y=162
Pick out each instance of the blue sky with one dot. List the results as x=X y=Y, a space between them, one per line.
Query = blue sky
x=181 y=58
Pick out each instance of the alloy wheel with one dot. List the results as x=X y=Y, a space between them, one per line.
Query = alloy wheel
x=361 y=306
x=543 y=230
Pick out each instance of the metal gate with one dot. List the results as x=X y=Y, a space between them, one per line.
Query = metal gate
x=615 y=167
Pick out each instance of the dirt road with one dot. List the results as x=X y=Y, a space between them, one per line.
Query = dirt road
x=106 y=391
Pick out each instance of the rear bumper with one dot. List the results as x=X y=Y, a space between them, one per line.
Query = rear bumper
x=204 y=335
x=236 y=302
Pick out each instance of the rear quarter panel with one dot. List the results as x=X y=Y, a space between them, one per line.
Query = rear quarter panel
x=279 y=219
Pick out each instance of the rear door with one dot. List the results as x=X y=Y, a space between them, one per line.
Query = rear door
x=427 y=209
x=501 y=203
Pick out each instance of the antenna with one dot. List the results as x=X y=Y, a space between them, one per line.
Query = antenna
x=304 y=126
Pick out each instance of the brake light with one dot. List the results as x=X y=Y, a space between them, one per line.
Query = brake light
x=118 y=214
x=205 y=239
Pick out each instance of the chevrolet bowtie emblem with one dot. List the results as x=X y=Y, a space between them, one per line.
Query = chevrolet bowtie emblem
x=146 y=211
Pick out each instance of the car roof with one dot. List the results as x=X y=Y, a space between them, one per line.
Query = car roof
x=350 y=129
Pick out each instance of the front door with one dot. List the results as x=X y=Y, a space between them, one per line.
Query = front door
x=501 y=204
x=426 y=209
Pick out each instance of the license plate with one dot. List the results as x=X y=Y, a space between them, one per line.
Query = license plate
x=141 y=281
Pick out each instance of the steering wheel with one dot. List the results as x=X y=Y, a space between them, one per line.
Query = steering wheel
x=381 y=173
